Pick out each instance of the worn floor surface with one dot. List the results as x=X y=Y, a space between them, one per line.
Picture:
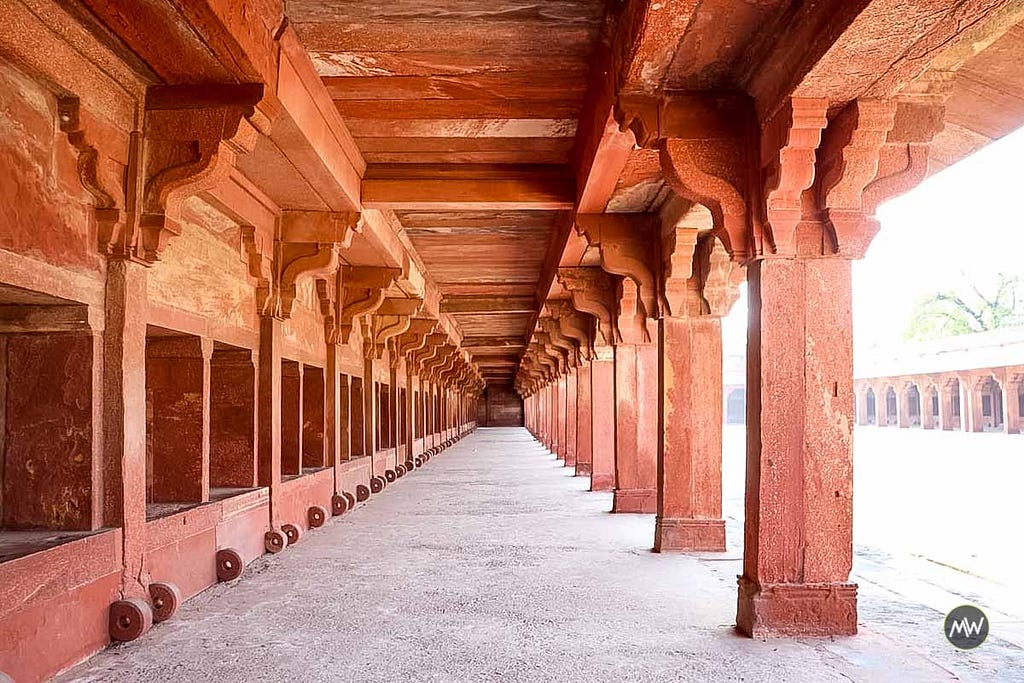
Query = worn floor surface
x=492 y=563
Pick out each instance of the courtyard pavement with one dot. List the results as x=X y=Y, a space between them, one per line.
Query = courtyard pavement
x=493 y=563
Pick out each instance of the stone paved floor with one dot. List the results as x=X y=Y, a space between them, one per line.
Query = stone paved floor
x=494 y=564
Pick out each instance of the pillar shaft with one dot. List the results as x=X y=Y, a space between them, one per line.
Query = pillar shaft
x=690 y=447
x=604 y=427
x=584 y=415
x=636 y=400
x=1011 y=408
x=798 y=543
x=269 y=410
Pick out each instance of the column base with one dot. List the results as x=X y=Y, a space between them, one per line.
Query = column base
x=601 y=482
x=570 y=460
x=677 y=534
x=796 y=609
x=635 y=501
x=583 y=469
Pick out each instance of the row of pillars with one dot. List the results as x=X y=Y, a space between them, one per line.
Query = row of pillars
x=971 y=401
x=644 y=419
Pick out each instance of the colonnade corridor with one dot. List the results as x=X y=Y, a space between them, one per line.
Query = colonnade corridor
x=493 y=562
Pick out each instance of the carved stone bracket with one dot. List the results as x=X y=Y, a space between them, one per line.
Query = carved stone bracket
x=789 y=143
x=628 y=247
x=678 y=245
x=708 y=150
x=363 y=291
x=259 y=256
x=593 y=291
x=567 y=345
x=191 y=138
x=574 y=325
x=390 y=320
x=105 y=206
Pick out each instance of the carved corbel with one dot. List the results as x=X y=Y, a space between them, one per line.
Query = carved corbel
x=708 y=151
x=414 y=338
x=593 y=291
x=574 y=325
x=259 y=257
x=717 y=278
x=847 y=162
x=106 y=208
x=191 y=138
x=390 y=320
x=568 y=346
x=679 y=240
x=363 y=291
x=789 y=144
x=301 y=260
x=628 y=247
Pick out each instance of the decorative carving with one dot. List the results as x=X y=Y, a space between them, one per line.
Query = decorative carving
x=847 y=163
x=789 y=143
x=678 y=245
x=390 y=320
x=261 y=267
x=300 y=260
x=575 y=325
x=593 y=291
x=363 y=290
x=708 y=154
x=717 y=277
x=628 y=247
x=192 y=135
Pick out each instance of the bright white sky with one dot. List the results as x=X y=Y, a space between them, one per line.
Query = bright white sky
x=966 y=219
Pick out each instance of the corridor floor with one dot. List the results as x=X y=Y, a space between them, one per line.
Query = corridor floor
x=492 y=563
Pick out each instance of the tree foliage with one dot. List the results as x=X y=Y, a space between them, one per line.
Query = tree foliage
x=969 y=308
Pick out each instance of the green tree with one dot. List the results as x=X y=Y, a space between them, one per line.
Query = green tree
x=970 y=308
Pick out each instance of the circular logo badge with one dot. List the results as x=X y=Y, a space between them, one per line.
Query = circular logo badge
x=966 y=627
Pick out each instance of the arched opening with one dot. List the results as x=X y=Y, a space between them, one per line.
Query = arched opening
x=891 y=407
x=912 y=399
x=872 y=408
x=992 y=405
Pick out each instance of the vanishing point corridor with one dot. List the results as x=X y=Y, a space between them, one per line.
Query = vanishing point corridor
x=492 y=562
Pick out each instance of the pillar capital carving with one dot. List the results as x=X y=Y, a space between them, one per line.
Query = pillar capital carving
x=574 y=325
x=707 y=143
x=593 y=291
x=391 y=319
x=363 y=290
x=628 y=247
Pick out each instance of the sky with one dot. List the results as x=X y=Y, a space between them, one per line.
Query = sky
x=965 y=221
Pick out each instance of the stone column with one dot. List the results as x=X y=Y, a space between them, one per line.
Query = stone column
x=124 y=403
x=370 y=416
x=970 y=404
x=603 y=435
x=927 y=419
x=798 y=543
x=862 y=405
x=881 y=407
x=570 y=418
x=332 y=410
x=635 y=428
x=584 y=423
x=1011 y=405
x=946 y=420
x=903 y=403
x=269 y=411
x=690 y=450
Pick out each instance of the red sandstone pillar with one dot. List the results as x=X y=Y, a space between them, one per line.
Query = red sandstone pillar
x=690 y=449
x=946 y=420
x=970 y=407
x=903 y=404
x=269 y=411
x=124 y=403
x=1011 y=406
x=881 y=407
x=927 y=418
x=563 y=418
x=584 y=446
x=636 y=403
x=332 y=411
x=862 y=405
x=604 y=428
x=798 y=544
x=570 y=418
x=370 y=412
